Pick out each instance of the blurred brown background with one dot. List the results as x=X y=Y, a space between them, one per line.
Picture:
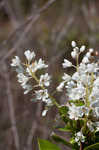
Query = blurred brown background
x=47 y=27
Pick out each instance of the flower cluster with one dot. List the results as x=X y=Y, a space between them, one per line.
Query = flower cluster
x=28 y=72
x=81 y=111
x=79 y=137
x=82 y=89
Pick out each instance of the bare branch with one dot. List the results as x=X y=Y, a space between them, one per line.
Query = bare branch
x=34 y=126
x=11 y=107
x=31 y=21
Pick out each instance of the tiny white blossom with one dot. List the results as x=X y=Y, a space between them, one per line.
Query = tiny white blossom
x=90 y=126
x=85 y=60
x=27 y=88
x=97 y=110
x=60 y=87
x=73 y=44
x=77 y=93
x=96 y=82
x=16 y=61
x=82 y=49
x=88 y=55
x=32 y=68
x=90 y=68
x=44 y=80
x=70 y=84
x=74 y=54
x=76 y=49
x=42 y=95
x=29 y=55
x=91 y=50
x=66 y=77
x=22 y=79
x=76 y=76
x=66 y=63
x=44 y=112
x=79 y=137
x=75 y=112
x=41 y=64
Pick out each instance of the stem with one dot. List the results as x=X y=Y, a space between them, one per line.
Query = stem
x=37 y=80
x=81 y=146
x=77 y=62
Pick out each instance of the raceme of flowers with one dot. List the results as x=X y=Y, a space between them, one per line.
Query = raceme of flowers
x=82 y=87
x=28 y=71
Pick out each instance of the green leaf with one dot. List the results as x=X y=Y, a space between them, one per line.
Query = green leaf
x=77 y=102
x=92 y=147
x=63 y=112
x=58 y=139
x=46 y=145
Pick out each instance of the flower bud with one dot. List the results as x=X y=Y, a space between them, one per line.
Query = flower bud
x=82 y=49
x=73 y=44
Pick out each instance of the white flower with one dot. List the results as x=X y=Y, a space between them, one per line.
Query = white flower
x=82 y=68
x=41 y=64
x=85 y=60
x=77 y=93
x=16 y=61
x=76 y=49
x=88 y=55
x=79 y=137
x=70 y=85
x=44 y=112
x=97 y=110
x=76 y=76
x=44 y=80
x=90 y=126
x=74 y=54
x=90 y=68
x=66 y=63
x=82 y=49
x=42 y=95
x=66 y=77
x=75 y=112
x=91 y=50
x=96 y=82
x=32 y=68
x=48 y=101
x=60 y=87
x=73 y=44
x=22 y=79
x=27 y=88
x=29 y=55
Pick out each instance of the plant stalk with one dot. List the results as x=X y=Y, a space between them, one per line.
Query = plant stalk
x=81 y=146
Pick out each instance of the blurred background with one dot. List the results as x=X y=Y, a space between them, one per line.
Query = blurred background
x=47 y=27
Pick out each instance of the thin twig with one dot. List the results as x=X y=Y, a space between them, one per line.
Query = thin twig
x=32 y=20
x=34 y=127
x=11 y=107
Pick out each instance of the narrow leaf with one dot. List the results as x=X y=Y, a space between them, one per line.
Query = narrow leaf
x=92 y=147
x=58 y=139
x=46 y=145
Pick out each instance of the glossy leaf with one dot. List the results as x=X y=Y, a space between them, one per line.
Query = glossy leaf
x=46 y=145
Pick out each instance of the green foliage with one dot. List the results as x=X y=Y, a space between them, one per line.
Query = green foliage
x=58 y=139
x=77 y=102
x=97 y=137
x=63 y=113
x=92 y=147
x=46 y=145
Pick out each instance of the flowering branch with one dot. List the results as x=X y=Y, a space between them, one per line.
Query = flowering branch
x=81 y=112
